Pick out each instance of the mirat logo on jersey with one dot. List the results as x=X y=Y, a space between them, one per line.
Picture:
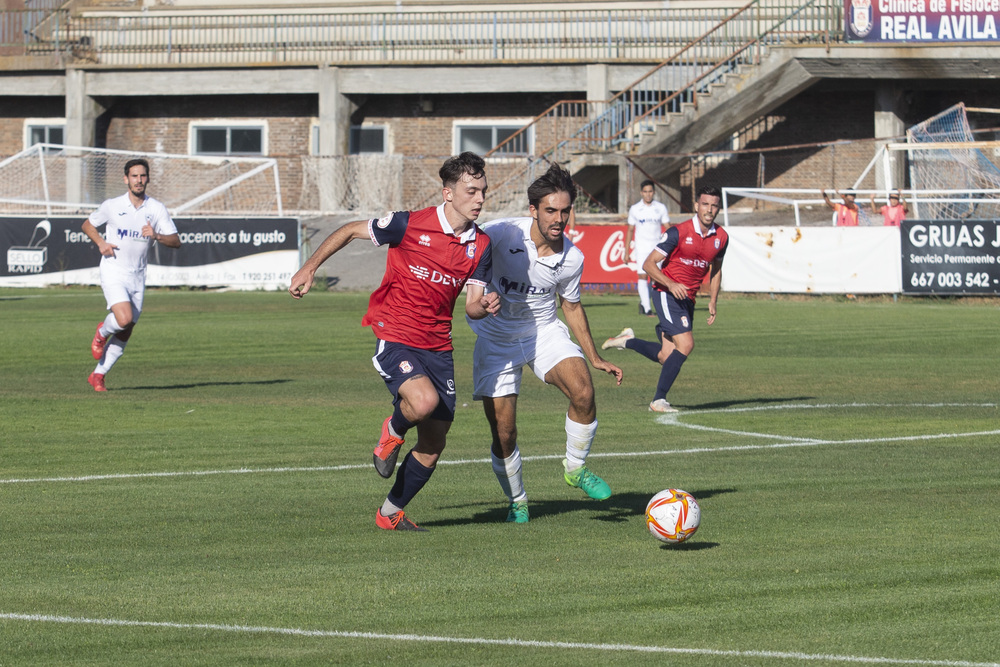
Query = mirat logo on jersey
x=507 y=286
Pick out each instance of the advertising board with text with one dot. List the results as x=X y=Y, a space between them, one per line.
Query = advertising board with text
x=950 y=257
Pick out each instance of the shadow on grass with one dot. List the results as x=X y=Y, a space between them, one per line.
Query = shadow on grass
x=718 y=405
x=619 y=508
x=201 y=384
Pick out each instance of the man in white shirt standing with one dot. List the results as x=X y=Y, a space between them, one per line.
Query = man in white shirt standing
x=646 y=220
x=534 y=268
x=134 y=221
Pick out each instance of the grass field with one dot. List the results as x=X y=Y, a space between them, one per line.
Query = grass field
x=216 y=506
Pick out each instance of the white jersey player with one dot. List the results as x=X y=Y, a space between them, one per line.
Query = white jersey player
x=534 y=268
x=132 y=223
x=646 y=220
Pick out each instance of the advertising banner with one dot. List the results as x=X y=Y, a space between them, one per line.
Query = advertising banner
x=949 y=257
x=603 y=246
x=921 y=20
x=246 y=253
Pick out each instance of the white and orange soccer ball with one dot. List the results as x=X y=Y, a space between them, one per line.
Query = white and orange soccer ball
x=672 y=516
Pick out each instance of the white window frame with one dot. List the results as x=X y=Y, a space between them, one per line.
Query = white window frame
x=232 y=124
x=30 y=123
x=314 y=130
x=511 y=123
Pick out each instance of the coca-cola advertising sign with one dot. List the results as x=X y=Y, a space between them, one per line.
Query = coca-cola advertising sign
x=603 y=246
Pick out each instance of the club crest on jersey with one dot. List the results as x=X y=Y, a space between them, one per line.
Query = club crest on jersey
x=384 y=221
x=470 y=251
x=684 y=321
x=716 y=244
x=405 y=367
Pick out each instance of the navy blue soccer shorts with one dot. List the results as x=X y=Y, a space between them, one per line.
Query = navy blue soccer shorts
x=676 y=316
x=397 y=363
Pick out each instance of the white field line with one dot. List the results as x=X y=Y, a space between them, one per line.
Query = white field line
x=483 y=641
x=672 y=419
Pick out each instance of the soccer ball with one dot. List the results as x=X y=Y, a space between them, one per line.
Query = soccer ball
x=672 y=516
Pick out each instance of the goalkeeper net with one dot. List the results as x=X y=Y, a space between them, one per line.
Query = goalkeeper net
x=49 y=179
x=962 y=167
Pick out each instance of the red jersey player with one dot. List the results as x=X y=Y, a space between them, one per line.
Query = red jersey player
x=677 y=266
x=433 y=253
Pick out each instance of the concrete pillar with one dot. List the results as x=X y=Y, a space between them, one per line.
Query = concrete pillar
x=81 y=130
x=889 y=108
x=334 y=114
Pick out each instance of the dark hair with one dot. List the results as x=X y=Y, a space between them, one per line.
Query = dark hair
x=455 y=167
x=556 y=179
x=709 y=190
x=647 y=182
x=134 y=163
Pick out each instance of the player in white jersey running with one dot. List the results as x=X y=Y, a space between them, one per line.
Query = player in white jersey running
x=533 y=265
x=134 y=221
x=646 y=220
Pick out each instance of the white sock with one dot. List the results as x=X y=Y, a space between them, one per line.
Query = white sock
x=110 y=326
x=579 y=438
x=112 y=351
x=508 y=472
x=388 y=508
x=643 y=286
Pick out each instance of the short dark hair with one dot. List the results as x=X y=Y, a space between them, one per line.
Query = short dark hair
x=134 y=163
x=709 y=190
x=645 y=183
x=556 y=179
x=455 y=167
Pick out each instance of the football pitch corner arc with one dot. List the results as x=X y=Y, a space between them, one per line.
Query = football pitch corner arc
x=485 y=641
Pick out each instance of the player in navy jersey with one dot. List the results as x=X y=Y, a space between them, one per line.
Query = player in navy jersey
x=433 y=254
x=535 y=269
x=132 y=223
x=677 y=267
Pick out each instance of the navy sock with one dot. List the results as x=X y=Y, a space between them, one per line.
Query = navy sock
x=671 y=367
x=400 y=424
x=410 y=478
x=646 y=348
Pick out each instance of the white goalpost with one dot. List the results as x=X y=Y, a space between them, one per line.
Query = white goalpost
x=52 y=179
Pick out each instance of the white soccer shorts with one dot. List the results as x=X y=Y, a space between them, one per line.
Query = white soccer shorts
x=120 y=286
x=642 y=250
x=497 y=365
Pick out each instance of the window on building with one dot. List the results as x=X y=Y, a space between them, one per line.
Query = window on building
x=46 y=131
x=228 y=139
x=481 y=137
x=367 y=139
x=362 y=139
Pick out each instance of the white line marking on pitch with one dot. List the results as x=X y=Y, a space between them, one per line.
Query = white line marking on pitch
x=482 y=641
x=668 y=420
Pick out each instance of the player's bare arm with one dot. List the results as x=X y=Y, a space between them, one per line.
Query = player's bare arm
x=576 y=320
x=303 y=279
x=651 y=267
x=104 y=247
x=168 y=240
x=478 y=304
x=714 y=287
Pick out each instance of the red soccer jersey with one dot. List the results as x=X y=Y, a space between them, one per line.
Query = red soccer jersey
x=426 y=267
x=688 y=255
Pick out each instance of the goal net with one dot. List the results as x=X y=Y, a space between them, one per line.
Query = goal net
x=50 y=179
x=963 y=166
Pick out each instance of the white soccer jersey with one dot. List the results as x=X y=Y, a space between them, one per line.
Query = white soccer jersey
x=124 y=229
x=648 y=221
x=527 y=284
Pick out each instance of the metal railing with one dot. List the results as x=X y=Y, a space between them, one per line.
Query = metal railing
x=736 y=41
x=145 y=39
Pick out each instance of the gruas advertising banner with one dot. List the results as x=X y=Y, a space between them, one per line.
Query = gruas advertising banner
x=912 y=21
x=950 y=257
